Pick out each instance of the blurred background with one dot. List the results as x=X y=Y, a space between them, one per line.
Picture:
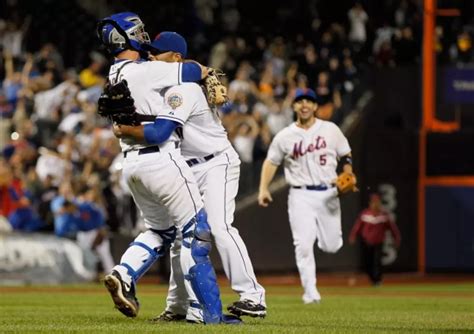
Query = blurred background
x=396 y=75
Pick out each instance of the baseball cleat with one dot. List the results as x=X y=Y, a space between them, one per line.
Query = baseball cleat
x=313 y=301
x=247 y=307
x=123 y=295
x=168 y=316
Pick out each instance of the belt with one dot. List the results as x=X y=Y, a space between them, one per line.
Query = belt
x=145 y=150
x=195 y=161
x=317 y=188
x=148 y=149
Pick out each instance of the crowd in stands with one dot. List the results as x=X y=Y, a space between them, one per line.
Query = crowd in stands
x=60 y=164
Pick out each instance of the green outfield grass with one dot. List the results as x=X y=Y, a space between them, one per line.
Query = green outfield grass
x=436 y=308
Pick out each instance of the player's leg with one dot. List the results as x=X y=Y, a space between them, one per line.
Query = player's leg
x=220 y=183
x=377 y=271
x=177 y=299
x=186 y=210
x=303 y=229
x=148 y=246
x=328 y=212
x=137 y=259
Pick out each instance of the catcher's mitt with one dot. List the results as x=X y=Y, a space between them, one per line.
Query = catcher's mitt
x=117 y=104
x=346 y=182
x=216 y=92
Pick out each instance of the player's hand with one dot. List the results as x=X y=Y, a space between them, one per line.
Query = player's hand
x=264 y=198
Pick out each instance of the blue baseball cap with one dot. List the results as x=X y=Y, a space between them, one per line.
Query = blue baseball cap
x=169 y=41
x=305 y=93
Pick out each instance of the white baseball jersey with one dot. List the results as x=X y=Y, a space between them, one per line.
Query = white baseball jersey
x=145 y=80
x=202 y=128
x=310 y=155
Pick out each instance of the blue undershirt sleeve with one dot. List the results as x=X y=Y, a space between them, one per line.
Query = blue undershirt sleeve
x=191 y=72
x=159 y=131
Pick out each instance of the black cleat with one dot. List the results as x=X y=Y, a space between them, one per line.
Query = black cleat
x=122 y=294
x=247 y=307
x=168 y=316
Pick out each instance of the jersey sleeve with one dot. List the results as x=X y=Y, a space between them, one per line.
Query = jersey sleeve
x=275 y=152
x=163 y=74
x=179 y=102
x=342 y=144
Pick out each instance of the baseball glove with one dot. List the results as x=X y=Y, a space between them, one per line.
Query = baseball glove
x=346 y=182
x=117 y=104
x=216 y=92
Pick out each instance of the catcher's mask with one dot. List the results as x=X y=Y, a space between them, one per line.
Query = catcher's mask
x=122 y=31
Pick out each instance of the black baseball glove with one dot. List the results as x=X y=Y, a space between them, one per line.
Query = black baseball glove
x=117 y=104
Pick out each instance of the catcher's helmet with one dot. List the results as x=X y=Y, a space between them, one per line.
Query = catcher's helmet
x=122 y=31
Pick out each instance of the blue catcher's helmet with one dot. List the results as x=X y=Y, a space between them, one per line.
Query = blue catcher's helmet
x=122 y=31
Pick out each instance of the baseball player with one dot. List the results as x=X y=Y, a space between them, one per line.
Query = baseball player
x=160 y=181
x=215 y=165
x=311 y=149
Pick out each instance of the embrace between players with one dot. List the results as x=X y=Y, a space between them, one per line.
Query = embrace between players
x=183 y=175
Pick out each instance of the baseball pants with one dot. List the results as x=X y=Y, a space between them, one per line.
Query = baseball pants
x=218 y=181
x=314 y=216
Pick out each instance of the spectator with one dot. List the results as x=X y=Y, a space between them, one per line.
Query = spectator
x=244 y=143
x=13 y=36
x=91 y=75
x=328 y=98
x=385 y=55
x=357 y=19
x=92 y=232
x=66 y=220
x=464 y=47
x=371 y=226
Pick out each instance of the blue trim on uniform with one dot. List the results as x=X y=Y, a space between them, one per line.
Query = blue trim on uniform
x=188 y=226
x=189 y=234
x=132 y=273
x=186 y=244
x=171 y=118
x=159 y=131
x=142 y=245
x=195 y=305
x=191 y=72
x=168 y=235
x=154 y=255
x=180 y=68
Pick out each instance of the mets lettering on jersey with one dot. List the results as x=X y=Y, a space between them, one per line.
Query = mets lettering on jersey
x=298 y=150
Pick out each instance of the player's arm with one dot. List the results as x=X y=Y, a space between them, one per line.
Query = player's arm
x=346 y=163
x=266 y=177
x=275 y=156
x=171 y=74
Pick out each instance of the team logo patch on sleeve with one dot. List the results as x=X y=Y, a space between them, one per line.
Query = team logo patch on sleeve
x=175 y=100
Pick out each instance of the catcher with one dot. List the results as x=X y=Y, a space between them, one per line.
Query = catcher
x=311 y=150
